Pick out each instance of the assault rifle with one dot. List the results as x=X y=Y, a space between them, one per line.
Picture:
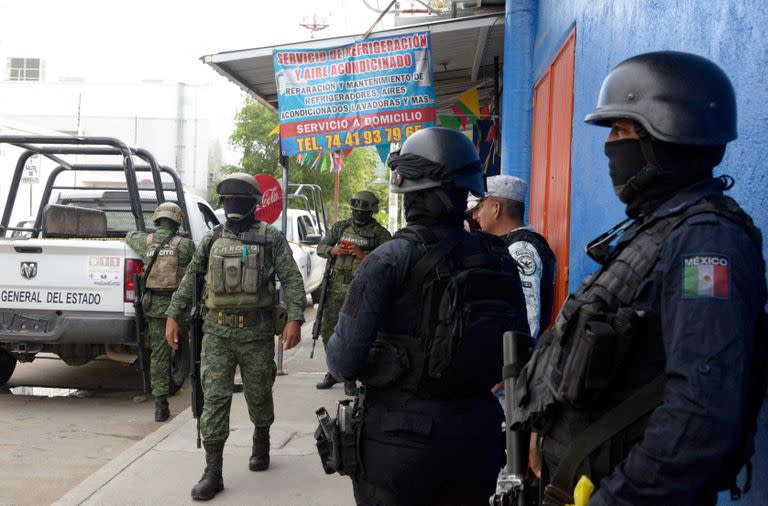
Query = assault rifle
x=324 y=287
x=141 y=325
x=196 y=345
x=511 y=482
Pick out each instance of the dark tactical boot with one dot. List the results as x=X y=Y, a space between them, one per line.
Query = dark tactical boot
x=162 y=413
x=350 y=388
x=328 y=382
x=212 y=481
x=259 y=460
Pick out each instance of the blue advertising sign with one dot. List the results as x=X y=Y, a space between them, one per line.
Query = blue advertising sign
x=373 y=91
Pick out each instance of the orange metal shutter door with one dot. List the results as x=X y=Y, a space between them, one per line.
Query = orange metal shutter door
x=551 y=160
x=559 y=201
x=537 y=204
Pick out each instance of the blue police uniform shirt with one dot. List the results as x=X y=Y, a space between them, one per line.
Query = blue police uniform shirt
x=703 y=299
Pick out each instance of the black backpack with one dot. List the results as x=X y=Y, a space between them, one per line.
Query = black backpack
x=470 y=294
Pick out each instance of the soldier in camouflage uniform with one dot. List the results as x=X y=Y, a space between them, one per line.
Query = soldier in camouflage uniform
x=240 y=260
x=350 y=241
x=163 y=279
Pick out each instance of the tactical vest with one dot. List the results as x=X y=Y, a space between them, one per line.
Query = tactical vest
x=585 y=351
x=238 y=277
x=166 y=273
x=466 y=301
x=548 y=265
x=346 y=265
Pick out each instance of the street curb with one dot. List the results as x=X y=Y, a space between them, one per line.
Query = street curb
x=92 y=484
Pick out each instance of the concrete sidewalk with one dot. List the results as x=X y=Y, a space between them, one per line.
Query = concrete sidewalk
x=162 y=468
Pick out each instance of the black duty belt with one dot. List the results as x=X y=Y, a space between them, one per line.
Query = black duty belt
x=239 y=320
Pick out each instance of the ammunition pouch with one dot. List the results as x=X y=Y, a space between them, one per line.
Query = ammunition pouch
x=585 y=361
x=279 y=317
x=343 y=277
x=387 y=363
x=146 y=300
x=338 y=439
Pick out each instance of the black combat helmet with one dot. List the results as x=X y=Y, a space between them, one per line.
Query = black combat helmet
x=677 y=97
x=435 y=157
x=239 y=184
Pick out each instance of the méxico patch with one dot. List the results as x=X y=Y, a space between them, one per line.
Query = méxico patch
x=706 y=276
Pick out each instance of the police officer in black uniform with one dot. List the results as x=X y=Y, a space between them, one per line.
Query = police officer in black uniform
x=655 y=367
x=429 y=437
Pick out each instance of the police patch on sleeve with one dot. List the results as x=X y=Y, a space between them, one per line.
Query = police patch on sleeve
x=526 y=262
x=706 y=276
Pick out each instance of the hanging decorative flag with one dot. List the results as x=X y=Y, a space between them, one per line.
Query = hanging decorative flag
x=383 y=151
x=485 y=112
x=453 y=122
x=460 y=114
x=324 y=162
x=315 y=162
x=468 y=107
x=275 y=130
x=492 y=132
x=471 y=102
x=346 y=152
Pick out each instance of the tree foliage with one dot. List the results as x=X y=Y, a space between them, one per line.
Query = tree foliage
x=253 y=124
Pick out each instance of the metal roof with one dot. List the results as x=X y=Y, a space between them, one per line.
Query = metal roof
x=463 y=50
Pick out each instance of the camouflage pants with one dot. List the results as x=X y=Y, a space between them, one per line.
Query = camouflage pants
x=336 y=295
x=160 y=357
x=218 y=359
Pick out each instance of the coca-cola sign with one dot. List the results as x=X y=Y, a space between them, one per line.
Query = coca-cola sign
x=271 y=198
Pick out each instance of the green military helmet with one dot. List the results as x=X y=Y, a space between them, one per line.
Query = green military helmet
x=239 y=184
x=364 y=201
x=168 y=210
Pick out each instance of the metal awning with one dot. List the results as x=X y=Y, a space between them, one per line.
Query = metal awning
x=463 y=51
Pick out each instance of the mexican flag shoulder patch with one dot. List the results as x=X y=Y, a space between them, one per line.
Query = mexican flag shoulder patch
x=706 y=276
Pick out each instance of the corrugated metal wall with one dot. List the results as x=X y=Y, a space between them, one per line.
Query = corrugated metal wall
x=550 y=202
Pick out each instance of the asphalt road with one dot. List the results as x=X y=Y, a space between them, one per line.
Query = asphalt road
x=62 y=423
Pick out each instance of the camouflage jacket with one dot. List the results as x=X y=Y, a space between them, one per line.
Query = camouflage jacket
x=278 y=253
x=138 y=243
x=332 y=238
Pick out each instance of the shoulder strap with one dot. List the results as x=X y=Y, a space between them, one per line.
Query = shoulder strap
x=643 y=401
x=152 y=260
x=176 y=240
x=429 y=261
x=150 y=238
x=217 y=231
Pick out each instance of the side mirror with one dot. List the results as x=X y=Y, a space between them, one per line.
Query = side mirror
x=312 y=239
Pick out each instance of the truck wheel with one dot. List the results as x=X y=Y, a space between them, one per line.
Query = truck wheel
x=7 y=365
x=180 y=364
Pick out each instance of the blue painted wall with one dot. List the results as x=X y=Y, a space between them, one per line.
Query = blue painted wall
x=733 y=33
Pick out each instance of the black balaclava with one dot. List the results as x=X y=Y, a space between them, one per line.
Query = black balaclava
x=167 y=223
x=362 y=218
x=436 y=206
x=646 y=176
x=239 y=213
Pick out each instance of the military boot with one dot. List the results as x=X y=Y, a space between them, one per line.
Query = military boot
x=212 y=481
x=259 y=460
x=161 y=409
x=328 y=382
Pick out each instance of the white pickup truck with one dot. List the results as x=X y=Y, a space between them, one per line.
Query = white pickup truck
x=67 y=281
